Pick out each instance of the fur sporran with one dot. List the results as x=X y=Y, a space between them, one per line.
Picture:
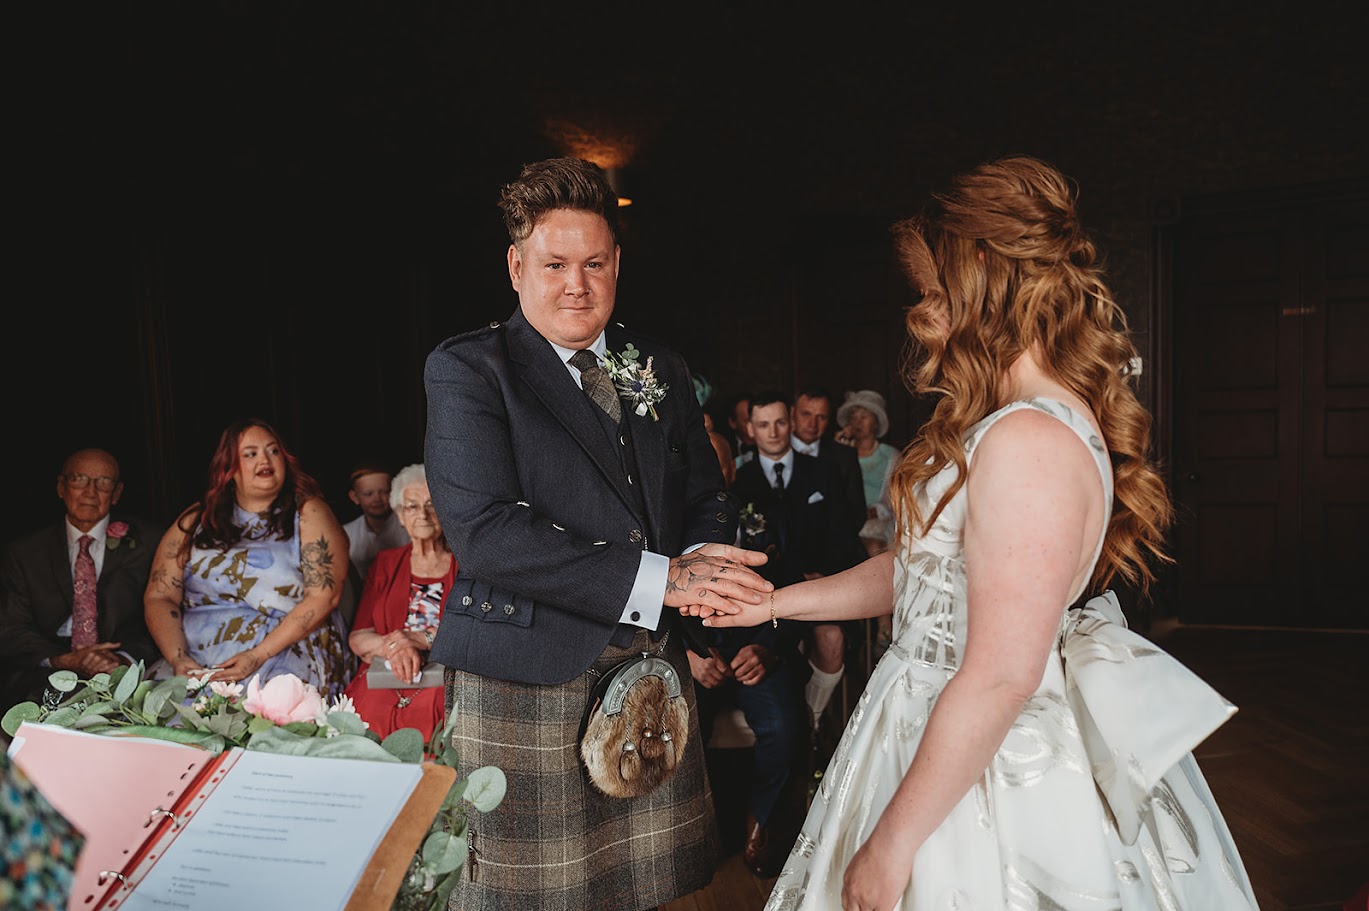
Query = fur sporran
x=636 y=727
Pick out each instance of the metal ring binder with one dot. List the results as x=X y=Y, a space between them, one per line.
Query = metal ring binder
x=105 y=876
x=152 y=817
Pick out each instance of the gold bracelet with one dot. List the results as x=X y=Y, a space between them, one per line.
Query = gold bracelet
x=773 y=620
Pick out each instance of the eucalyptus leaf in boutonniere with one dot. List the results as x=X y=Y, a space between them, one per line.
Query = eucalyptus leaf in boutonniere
x=116 y=535
x=752 y=520
x=634 y=382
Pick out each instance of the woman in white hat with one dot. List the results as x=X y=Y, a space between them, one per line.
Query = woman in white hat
x=864 y=423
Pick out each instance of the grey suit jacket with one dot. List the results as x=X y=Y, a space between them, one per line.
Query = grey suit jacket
x=35 y=600
x=536 y=505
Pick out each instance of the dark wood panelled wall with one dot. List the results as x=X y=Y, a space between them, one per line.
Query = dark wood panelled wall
x=241 y=208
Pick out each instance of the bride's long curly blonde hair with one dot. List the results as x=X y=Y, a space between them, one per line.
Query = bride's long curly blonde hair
x=1003 y=266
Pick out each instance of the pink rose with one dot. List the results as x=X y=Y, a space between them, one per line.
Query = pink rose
x=282 y=699
x=117 y=529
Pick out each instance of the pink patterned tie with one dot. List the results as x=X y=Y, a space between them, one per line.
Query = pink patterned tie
x=83 y=630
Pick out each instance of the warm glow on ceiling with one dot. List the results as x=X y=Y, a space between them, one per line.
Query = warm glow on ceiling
x=609 y=148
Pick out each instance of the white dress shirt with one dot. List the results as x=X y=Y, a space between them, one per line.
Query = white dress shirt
x=363 y=544
x=768 y=466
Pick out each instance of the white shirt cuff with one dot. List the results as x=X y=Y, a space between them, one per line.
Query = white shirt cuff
x=647 y=599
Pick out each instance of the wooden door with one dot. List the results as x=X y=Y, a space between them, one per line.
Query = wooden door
x=1271 y=409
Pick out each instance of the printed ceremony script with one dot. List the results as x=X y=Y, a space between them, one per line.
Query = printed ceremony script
x=170 y=826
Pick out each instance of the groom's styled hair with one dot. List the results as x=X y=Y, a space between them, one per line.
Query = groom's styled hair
x=556 y=183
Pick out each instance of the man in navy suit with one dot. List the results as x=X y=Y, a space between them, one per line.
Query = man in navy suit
x=810 y=415
x=575 y=481
x=36 y=584
x=807 y=517
x=807 y=528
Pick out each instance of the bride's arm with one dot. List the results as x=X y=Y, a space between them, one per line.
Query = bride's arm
x=864 y=590
x=1035 y=507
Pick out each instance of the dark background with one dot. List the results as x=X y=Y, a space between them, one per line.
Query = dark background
x=278 y=209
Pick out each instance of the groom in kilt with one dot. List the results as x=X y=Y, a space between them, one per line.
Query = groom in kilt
x=575 y=481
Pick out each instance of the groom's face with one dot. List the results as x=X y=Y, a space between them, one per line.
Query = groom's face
x=566 y=276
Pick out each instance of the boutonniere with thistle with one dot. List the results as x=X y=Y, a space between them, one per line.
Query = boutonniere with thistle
x=635 y=382
x=752 y=520
x=116 y=535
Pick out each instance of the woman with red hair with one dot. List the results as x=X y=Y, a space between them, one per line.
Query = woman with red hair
x=1004 y=753
x=247 y=581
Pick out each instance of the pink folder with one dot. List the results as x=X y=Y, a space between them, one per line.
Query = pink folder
x=120 y=792
x=130 y=797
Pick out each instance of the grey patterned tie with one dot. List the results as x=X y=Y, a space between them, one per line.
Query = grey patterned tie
x=597 y=384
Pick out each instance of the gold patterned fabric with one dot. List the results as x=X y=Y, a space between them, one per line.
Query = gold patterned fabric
x=1093 y=801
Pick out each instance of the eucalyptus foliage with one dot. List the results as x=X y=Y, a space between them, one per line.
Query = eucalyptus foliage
x=123 y=703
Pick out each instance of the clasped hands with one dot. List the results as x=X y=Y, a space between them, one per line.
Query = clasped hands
x=716 y=579
x=750 y=666
x=89 y=660
x=238 y=668
x=404 y=655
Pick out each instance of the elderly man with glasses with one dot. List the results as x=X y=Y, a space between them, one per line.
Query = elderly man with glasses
x=71 y=594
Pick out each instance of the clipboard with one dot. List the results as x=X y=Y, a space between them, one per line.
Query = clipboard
x=132 y=796
x=384 y=874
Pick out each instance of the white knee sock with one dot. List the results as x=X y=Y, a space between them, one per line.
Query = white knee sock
x=818 y=691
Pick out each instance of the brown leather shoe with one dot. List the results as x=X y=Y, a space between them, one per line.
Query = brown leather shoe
x=757 y=853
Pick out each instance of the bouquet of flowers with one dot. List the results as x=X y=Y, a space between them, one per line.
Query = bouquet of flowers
x=282 y=715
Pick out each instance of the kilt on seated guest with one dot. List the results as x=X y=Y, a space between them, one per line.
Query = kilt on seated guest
x=247 y=581
x=400 y=607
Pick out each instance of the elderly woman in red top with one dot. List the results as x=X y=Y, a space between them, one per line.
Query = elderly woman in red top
x=398 y=614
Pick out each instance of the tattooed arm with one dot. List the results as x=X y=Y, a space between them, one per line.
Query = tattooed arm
x=165 y=591
x=323 y=564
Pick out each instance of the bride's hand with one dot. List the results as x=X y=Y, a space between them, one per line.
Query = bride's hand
x=876 y=877
x=741 y=614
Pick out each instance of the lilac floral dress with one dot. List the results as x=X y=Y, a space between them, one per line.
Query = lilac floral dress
x=234 y=598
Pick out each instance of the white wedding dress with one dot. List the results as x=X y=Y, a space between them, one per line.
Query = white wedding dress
x=1092 y=803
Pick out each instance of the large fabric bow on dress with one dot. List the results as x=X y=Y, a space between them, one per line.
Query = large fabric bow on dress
x=1139 y=710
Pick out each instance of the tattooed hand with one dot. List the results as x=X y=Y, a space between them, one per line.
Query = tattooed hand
x=240 y=667
x=712 y=578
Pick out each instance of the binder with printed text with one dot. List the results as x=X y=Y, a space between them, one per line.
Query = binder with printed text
x=170 y=825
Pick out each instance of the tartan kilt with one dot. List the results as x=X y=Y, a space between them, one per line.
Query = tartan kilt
x=555 y=843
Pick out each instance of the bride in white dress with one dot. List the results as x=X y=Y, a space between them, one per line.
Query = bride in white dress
x=1010 y=752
